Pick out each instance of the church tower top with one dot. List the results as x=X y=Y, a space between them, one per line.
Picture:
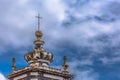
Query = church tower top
x=39 y=60
x=39 y=56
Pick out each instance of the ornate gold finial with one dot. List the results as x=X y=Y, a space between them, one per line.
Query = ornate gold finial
x=13 y=64
x=65 y=65
x=38 y=33
x=38 y=20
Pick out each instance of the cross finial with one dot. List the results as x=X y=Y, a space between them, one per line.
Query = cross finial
x=38 y=20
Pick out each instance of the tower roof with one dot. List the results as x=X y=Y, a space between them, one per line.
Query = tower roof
x=39 y=60
x=39 y=56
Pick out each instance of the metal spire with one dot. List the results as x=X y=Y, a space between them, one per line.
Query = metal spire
x=38 y=20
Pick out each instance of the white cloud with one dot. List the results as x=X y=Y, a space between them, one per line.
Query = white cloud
x=18 y=19
x=56 y=8
x=2 y=77
x=110 y=61
x=82 y=74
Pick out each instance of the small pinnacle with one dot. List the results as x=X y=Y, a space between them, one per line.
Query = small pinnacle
x=13 y=64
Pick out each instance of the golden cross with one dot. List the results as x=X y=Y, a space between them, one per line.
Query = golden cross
x=38 y=20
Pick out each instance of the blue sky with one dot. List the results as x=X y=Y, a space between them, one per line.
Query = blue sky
x=87 y=31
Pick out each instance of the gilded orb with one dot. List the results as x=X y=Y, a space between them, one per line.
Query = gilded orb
x=38 y=34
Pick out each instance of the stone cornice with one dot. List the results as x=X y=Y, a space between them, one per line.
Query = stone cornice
x=42 y=69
